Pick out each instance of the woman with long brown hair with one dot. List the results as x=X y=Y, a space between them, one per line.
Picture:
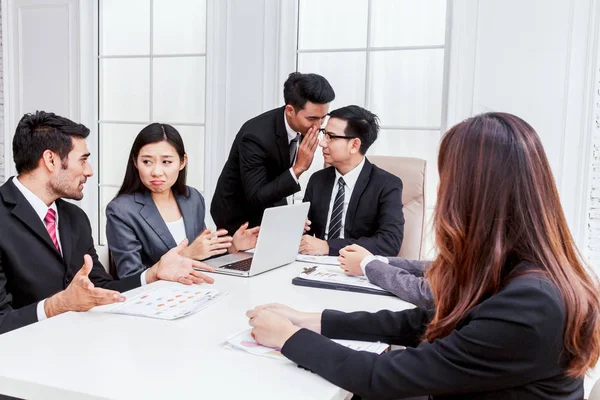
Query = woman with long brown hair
x=517 y=315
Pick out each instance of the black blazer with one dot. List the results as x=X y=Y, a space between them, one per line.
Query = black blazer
x=138 y=236
x=510 y=346
x=374 y=219
x=31 y=269
x=256 y=175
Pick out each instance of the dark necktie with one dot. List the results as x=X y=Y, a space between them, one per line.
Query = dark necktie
x=335 y=223
x=294 y=149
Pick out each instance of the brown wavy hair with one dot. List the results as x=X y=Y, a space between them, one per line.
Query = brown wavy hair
x=498 y=206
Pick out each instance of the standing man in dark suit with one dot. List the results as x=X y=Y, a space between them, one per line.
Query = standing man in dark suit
x=44 y=240
x=270 y=152
x=353 y=201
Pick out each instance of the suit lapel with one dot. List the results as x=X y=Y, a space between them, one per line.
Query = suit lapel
x=190 y=216
x=66 y=235
x=282 y=139
x=325 y=198
x=152 y=217
x=26 y=214
x=359 y=188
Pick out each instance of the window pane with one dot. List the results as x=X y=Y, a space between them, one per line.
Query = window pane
x=344 y=71
x=125 y=89
x=179 y=26
x=406 y=87
x=125 y=27
x=179 y=89
x=408 y=22
x=106 y=195
x=115 y=144
x=419 y=144
x=332 y=24
x=193 y=140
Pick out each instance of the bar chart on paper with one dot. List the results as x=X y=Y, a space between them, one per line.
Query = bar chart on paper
x=169 y=302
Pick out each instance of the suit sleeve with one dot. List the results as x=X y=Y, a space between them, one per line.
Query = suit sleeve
x=259 y=191
x=387 y=240
x=308 y=197
x=123 y=244
x=10 y=318
x=414 y=267
x=506 y=344
x=395 y=279
x=98 y=275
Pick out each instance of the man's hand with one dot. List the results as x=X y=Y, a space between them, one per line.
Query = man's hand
x=307 y=225
x=306 y=151
x=270 y=329
x=313 y=246
x=81 y=294
x=244 y=238
x=208 y=244
x=176 y=268
x=351 y=257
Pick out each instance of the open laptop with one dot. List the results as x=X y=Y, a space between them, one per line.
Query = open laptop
x=278 y=241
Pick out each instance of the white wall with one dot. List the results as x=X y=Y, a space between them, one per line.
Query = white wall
x=535 y=59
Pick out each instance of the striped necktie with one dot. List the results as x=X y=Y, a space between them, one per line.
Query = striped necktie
x=335 y=223
x=50 y=221
x=294 y=149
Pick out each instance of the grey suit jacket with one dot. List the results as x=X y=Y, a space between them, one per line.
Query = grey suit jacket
x=404 y=278
x=137 y=234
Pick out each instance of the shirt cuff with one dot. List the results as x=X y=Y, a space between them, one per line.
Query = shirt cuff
x=41 y=313
x=368 y=259
x=294 y=175
x=143 y=278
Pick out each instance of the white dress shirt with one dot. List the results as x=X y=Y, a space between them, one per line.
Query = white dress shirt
x=350 y=181
x=41 y=209
x=177 y=229
x=368 y=259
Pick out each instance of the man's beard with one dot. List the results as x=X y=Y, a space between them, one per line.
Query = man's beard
x=60 y=188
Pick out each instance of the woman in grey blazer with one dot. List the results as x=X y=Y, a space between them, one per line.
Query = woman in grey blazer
x=154 y=210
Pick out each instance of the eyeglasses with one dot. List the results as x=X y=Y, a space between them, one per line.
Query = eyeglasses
x=329 y=137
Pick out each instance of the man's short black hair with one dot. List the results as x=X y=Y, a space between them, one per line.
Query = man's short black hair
x=43 y=131
x=300 y=88
x=361 y=123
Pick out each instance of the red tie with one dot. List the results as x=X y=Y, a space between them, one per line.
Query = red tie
x=50 y=221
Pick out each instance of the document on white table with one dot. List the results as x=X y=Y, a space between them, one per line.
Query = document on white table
x=167 y=302
x=330 y=277
x=323 y=260
x=244 y=341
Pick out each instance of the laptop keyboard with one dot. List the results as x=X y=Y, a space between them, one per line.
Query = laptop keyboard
x=242 y=265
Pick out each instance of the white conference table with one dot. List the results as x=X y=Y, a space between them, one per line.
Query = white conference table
x=108 y=356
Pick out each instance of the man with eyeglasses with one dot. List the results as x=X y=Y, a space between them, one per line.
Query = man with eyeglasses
x=353 y=201
x=270 y=152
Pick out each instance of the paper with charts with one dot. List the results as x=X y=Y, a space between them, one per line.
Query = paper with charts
x=321 y=273
x=169 y=302
x=245 y=342
x=324 y=260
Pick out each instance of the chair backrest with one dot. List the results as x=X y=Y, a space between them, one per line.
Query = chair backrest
x=104 y=256
x=412 y=173
x=595 y=393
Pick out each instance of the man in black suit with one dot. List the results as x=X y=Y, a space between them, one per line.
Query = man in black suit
x=44 y=239
x=270 y=152
x=353 y=201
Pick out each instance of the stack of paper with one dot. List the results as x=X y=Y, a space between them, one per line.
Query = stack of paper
x=329 y=277
x=168 y=302
x=244 y=341
x=324 y=260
